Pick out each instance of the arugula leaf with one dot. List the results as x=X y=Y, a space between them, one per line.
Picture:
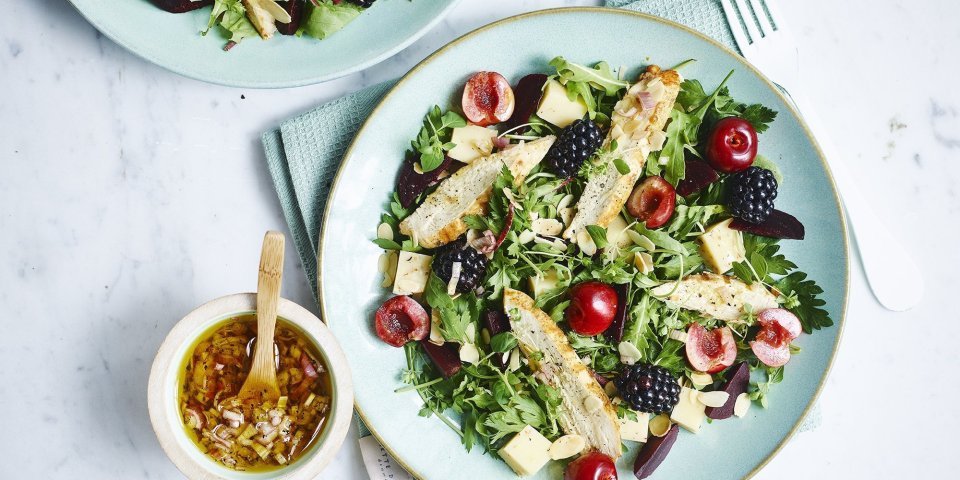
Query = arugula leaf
x=434 y=138
x=324 y=18
x=581 y=81
x=598 y=234
x=387 y=244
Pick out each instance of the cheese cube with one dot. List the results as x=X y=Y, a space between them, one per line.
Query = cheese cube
x=527 y=452
x=413 y=271
x=722 y=246
x=548 y=282
x=635 y=431
x=472 y=143
x=557 y=108
x=617 y=232
x=689 y=412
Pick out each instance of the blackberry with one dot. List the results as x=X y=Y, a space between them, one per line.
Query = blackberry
x=473 y=264
x=752 y=192
x=363 y=3
x=574 y=146
x=648 y=388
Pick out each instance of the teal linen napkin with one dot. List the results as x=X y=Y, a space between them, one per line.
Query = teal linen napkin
x=303 y=155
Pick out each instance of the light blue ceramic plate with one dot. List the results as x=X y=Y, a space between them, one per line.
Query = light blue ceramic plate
x=173 y=41
x=350 y=291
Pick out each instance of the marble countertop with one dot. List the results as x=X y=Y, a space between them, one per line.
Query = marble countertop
x=129 y=195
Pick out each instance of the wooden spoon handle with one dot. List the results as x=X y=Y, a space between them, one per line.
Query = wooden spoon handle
x=268 y=295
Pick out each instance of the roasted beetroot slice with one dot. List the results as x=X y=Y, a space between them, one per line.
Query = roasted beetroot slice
x=181 y=6
x=653 y=453
x=411 y=184
x=698 y=175
x=527 y=94
x=614 y=332
x=295 y=9
x=445 y=357
x=496 y=322
x=738 y=380
x=777 y=225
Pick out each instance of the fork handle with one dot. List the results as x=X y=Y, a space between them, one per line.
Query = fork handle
x=891 y=272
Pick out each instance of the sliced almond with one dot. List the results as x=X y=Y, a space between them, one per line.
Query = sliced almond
x=660 y=425
x=743 y=404
x=526 y=236
x=515 y=360
x=629 y=354
x=567 y=214
x=567 y=446
x=469 y=353
x=592 y=404
x=473 y=234
x=471 y=332
x=678 y=335
x=585 y=242
x=713 y=399
x=565 y=202
x=546 y=227
x=701 y=379
x=389 y=264
x=643 y=261
x=436 y=337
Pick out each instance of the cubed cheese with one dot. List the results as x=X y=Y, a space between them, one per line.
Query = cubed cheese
x=557 y=108
x=617 y=232
x=548 y=282
x=527 y=452
x=413 y=271
x=472 y=142
x=635 y=431
x=689 y=412
x=722 y=246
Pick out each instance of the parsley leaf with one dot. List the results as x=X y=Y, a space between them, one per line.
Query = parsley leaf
x=434 y=138
x=807 y=306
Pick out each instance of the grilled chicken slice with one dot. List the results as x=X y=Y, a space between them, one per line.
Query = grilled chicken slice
x=261 y=18
x=717 y=296
x=637 y=127
x=439 y=219
x=586 y=409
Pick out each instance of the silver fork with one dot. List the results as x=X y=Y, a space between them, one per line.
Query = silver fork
x=764 y=38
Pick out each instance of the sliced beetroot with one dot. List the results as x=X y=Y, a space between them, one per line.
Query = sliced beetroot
x=400 y=320
x=527 y=94
x=496 y=322
x=181 y=6
x=445 y=357
x=777 y=225
x=614 y=332
x=654 y=452
x=783 y=318
x=295 y=9
x=710 y=351
x=698 y=175
x=411 y=184
x=738 y=380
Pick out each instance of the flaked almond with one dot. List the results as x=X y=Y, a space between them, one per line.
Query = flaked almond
x=526 y=236
x=567 y=446
x=701 y=379
x=436 y=337
x=641 y=240
x=592 y=404
x=610 y=389
x=471 y=332
x=385 y=231
x=546 y=227
x=629 y=354
x=515 y=360
x=469 y=353
x=567 y=214
x=565 y=202
x=713 y=399
x=742 y=405
x=643 y=261
x=455 y=271
x=678 y=335
x=660 y=425
x=586 y=243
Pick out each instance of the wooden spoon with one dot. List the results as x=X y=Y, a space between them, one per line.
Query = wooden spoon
x=261 y=383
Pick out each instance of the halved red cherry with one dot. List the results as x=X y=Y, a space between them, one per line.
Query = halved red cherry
x=783 y=318
x=732 y=145
x=592 y=307
x=400 y=320
x=710 y=351
x=591 y=466
x=771 y=356
x=487 y=99
x=652 y=201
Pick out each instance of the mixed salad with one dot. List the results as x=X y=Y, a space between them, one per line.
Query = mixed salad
x=590 y=259
x=240 y=19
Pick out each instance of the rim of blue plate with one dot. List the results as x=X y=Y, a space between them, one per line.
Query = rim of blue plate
x=296 y=82
x=841 y=320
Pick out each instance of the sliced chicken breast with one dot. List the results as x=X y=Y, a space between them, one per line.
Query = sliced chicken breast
x=637 y=127
x=439 y=219
x=716 y=296
x=586 y=410
x=261 y=18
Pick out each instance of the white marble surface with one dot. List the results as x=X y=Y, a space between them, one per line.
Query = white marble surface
x=129 y=195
